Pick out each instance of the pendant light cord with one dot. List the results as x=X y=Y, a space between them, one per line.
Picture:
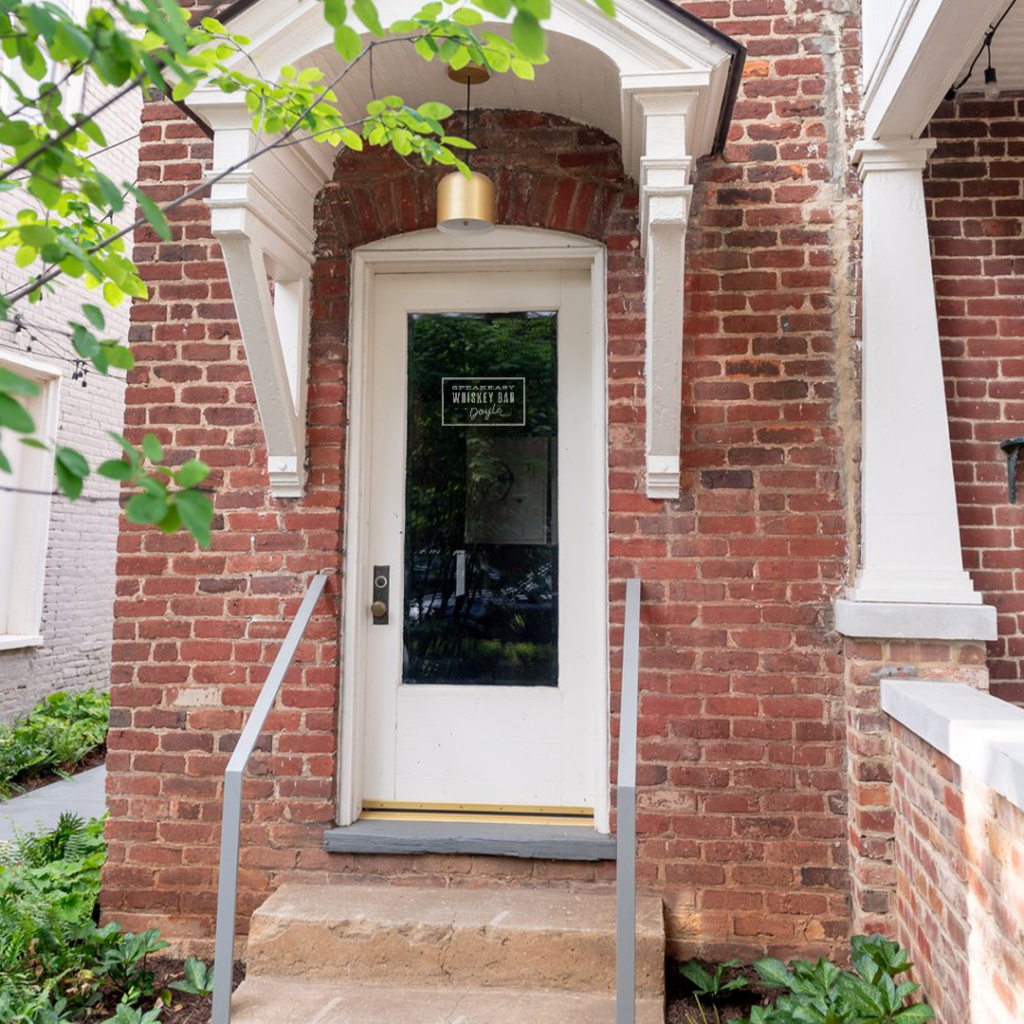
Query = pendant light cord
x=993 y=28
x=469 y=87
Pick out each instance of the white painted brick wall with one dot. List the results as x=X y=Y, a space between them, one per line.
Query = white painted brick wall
x=78 y=598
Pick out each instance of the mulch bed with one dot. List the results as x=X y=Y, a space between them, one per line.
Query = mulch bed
x=184 y=1009
x=47 y=776
x=683 y=1007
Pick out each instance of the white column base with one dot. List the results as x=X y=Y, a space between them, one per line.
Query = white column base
x=904 y=620
x=916 y=586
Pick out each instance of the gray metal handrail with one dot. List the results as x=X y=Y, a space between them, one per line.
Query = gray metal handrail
x=625 y=832
x=231 y=821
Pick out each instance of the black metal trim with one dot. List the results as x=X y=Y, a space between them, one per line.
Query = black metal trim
x=699 y=25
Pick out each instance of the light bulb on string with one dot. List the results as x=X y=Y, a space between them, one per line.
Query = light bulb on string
x=992 y=90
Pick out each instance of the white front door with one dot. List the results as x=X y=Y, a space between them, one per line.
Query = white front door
x=485 y=517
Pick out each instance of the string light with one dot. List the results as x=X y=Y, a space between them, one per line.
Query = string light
x=992 y=90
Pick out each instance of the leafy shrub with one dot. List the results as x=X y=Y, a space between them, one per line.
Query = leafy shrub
x=822 y=993
x=56 y=735
x=56 y=965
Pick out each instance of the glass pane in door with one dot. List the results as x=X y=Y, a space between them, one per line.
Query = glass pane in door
x=481 y=544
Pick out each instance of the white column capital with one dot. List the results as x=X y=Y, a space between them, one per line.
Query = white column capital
x=907 y=154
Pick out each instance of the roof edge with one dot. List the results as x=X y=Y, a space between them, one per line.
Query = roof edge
x=736 y=50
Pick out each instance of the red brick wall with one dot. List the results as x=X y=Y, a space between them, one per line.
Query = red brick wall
x=743 y=792
x=960 y=862
x=870 y=760
x=975 y=193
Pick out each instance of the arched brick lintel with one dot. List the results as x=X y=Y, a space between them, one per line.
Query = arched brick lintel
x=549 y=172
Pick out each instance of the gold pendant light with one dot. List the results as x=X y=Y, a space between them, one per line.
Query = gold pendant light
x=465 y=206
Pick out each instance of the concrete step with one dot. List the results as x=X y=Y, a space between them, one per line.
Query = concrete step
x=269 y=1000
x=452 y=938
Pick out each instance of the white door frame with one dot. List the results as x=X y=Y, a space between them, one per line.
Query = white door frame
x=506 y=248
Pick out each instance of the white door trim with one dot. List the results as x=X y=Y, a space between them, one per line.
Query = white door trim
x=507 y=248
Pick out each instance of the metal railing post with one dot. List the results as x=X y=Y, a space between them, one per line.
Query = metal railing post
x=625 y=832
x=231 y=818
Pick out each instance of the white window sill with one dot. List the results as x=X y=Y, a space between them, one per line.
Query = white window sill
x=13 y=643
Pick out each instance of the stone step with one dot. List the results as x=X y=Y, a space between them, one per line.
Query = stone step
x=464 y=938
x=270 y=1000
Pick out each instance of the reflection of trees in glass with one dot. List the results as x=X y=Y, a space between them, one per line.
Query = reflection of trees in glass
x=459 y=482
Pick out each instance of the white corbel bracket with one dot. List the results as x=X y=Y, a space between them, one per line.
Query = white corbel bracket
x=665 y=196
x=262 y=216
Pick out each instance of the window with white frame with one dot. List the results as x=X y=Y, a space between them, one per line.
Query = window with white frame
x=24 y=512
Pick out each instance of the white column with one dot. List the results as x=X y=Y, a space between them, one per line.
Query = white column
x=911 y=580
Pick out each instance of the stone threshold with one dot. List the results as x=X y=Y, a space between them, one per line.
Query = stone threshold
x=543 y=842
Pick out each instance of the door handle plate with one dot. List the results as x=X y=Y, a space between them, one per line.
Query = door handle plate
x=381 y=594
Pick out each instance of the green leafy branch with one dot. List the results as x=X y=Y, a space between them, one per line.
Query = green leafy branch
x=140 y=44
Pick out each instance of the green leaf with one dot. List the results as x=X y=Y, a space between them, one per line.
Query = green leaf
x=347 y=42
x=93 y=131
x=183 y=87
x=606 y=7
x=916 y=1014
x=467 y=16
x=116 y=469
x=527 y=35
x=25 y=256
x=37 y=235
x=522 y=69
x=94 y=315
x=350 y=139
x=152 y=448
x=435 y=111
x=128 y=447
x=14 y=416
x=191 y=473
x=151 y=212
x=697 y=976
x=84 y=341
x=197 y=514
x=146 y=508
x=14 y=384
x=773 y=972
x=366 y=12
x=335 y=12
x=70 y=483
x=15 y=133
x=74 y=462
x=118 y=355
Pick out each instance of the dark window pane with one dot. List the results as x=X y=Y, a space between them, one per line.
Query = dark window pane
x=481 y=545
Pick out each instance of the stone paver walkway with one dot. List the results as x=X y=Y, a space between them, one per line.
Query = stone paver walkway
x=84 y=794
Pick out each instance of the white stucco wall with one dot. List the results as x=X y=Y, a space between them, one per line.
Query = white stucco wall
x=78 y=592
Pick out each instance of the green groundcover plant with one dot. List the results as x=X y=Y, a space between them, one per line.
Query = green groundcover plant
x=57 y=966
x=822 y=993
x=55 y=736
